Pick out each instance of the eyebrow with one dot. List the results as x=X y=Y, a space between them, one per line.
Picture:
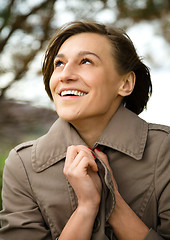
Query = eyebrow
x=81 y=54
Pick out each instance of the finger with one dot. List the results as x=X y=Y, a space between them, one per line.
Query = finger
x=104 y=158
x=73 y=150
x=89 y=151
x=70 y=156
x=82 y=151
x=71 y=153
x=87 y=163
x=80 y=157
x=84 y=148
x=77 y=153
x=74 y=155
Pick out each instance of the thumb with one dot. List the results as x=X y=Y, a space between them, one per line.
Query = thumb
x=102 y=156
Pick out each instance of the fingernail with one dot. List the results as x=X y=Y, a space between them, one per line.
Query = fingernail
x=89 y=148
x=98 y=149
x=92 y=153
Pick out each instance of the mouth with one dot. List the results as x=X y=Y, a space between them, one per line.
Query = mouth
x=66 y=93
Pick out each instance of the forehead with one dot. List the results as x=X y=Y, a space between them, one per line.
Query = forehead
x=87 y=41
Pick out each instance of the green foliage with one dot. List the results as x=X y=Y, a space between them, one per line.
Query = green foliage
x=2 y=161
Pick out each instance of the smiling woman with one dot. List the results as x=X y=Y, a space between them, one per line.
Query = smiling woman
x=90 y=70
x=105 y=170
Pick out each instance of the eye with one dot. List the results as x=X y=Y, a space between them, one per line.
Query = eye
x=58 y=63
x=86 y=61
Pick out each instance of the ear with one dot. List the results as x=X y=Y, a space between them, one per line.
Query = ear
x=128 y=84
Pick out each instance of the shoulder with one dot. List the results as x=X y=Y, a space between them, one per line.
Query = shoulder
x=160 y=136
x=39 y=150
x=21 y=152
x=15 y=160
x=29 y=144
x=159 y=128
x=25 y=145
x=16 y=166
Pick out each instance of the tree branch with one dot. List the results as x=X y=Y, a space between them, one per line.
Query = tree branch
x=20 y=73
x=18 y=24
x=7 y=12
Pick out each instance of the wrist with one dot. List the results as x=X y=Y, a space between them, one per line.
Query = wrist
x=123 y=214
x=118 y=208
x=88 y=210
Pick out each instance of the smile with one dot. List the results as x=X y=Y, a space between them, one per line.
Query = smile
x=72 y=93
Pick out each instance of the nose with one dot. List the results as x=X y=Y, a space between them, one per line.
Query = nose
x=69 y=73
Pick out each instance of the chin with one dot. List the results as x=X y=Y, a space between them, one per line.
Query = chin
x=68 y=117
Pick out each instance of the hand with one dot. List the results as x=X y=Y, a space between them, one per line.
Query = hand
x=81 y=171
x=123 y=214
x=104 y=158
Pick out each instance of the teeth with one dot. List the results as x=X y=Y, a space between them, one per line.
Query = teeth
x=72 y=92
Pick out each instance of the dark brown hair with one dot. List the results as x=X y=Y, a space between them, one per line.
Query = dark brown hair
x=124 y=54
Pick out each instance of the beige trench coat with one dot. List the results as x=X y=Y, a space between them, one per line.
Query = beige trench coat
x=38 y=200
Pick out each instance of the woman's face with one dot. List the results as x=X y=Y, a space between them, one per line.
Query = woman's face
x=85 y=83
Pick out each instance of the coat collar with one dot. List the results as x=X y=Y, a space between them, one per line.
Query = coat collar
x=126 y=133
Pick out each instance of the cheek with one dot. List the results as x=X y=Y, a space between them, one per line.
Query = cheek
x=52 y=83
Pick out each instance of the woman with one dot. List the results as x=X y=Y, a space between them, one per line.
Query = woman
x=101 y=172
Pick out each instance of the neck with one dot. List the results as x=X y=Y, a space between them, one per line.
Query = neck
x=91 y=129
x=87 y=131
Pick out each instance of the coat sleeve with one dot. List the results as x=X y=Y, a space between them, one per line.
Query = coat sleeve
x=20 y=217
x=162 y=188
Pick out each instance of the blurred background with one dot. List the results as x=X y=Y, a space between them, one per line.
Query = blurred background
x=25 y=29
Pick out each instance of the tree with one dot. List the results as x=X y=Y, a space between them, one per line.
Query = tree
x=26 y=26
x=14 y=22
x=146 y=9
